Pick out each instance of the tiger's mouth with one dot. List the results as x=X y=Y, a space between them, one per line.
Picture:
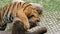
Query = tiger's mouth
x=32 y=23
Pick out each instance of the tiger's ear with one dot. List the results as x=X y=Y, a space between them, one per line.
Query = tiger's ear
x=38 y=7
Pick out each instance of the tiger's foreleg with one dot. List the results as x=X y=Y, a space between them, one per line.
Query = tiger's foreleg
x=23 y=17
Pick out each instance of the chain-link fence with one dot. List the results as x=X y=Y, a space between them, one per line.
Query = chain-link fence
x=50 y=17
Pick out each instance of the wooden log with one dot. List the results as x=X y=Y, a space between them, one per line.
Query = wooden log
x=35 y=30
x=5 y=32
x=38 y=30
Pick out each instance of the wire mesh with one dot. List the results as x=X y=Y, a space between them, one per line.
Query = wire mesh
x=50 y=17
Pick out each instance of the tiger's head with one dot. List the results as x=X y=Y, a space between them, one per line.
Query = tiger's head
x=33 y=21
x=34 y=18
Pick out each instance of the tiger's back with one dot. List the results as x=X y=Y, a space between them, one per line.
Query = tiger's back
x=11 y=9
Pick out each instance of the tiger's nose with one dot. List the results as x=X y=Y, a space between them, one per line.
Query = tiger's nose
x=38 y=20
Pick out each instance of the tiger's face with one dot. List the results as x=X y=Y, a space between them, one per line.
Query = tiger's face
x=34 y=18
x=33 y=21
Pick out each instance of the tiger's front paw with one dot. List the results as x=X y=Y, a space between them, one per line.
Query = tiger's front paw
x=26 y=26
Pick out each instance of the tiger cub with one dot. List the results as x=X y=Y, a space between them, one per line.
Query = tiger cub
x=21 y=10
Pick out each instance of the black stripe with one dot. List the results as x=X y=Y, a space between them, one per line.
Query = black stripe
x=3 y=18
x=10 y=17
x=14 y=4
x=23 y=4
x=6 y=15
x=8 y=9
x=20 y=3
x=27 y=6
x=4 y=9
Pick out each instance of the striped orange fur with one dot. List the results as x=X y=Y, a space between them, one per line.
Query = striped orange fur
x=23 y=11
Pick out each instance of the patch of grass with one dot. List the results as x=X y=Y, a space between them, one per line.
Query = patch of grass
x=4 y=2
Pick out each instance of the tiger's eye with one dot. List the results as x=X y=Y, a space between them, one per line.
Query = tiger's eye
x=30 y=16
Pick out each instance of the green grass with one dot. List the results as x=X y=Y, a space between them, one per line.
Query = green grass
x=50 y=16
x=4 y=2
